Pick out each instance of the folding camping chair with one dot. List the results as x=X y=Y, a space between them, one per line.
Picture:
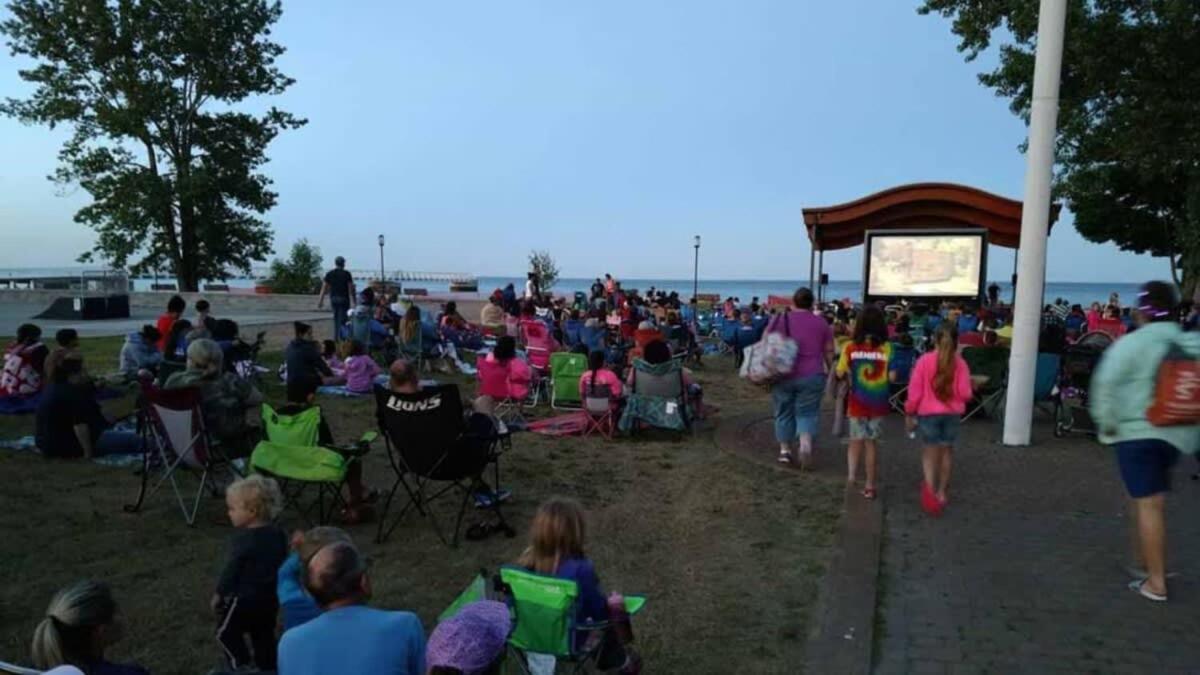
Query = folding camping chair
x=293 y=456
x=539 y=367
x=493 y=381
x=598 y=409
x=413 y=350
x=657 y=397
x=174 y=438
x=565 y=371
x=993 y=363
x=544 y=612
x=429 y=442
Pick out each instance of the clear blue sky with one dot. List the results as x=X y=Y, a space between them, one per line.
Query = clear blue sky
x=608 y=133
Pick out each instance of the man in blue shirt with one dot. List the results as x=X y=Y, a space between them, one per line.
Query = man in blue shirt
x=350 y=637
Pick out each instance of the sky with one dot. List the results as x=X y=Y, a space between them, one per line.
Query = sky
x=607 y=133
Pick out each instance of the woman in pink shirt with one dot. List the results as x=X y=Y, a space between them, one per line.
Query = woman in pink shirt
x=361 y=369
x=601 y=376
x=938 y=391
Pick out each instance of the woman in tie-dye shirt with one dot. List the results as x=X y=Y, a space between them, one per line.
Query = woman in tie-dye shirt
x=865 y=361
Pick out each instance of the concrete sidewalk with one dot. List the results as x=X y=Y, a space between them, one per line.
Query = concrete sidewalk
x=1024 y=573
x=13 y=315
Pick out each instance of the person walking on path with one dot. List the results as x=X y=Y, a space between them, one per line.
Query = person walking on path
x=1122 y=392
x=938 y=391
x=339 y=286
x=797 y=398
x=866 y=362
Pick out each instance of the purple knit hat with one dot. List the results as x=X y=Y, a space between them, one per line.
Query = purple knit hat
x=470 y=640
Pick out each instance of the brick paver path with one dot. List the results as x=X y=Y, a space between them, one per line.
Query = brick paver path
x=1023 y=573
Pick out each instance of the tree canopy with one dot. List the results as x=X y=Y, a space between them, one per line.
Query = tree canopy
x=544 y=269
x=148 y=87
x=1128 y=147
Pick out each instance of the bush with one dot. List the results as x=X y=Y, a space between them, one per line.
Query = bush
x=300 y=273
x=542 y=266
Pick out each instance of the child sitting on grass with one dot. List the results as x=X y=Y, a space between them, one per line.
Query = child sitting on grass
x=361 y=369
x=333 y=359
x=556 y=549
x=298 y=606
x=245 y=602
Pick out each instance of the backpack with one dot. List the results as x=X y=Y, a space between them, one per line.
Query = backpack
x=1176 y=391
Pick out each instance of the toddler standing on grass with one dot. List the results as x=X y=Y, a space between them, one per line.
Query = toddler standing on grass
x=865 y=361
x=938 y=392
x=245 y=602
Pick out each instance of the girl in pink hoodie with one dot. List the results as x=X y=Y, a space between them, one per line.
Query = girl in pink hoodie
x=938 y=392
x=361 y=369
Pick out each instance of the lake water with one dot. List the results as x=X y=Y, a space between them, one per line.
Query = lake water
x=743 y=289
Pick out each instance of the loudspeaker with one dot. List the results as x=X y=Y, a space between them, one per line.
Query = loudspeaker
x=824 y=279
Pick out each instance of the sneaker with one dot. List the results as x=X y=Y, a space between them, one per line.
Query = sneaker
x=784 y=457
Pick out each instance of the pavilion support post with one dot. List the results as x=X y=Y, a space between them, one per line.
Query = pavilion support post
x=1035 y=221
x=812 y=264
x=820 y=275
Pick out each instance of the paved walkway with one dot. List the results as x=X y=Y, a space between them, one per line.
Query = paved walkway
x=1023 y=573
x=15 y=314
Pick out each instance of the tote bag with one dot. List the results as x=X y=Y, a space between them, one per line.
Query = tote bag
x=771 y=358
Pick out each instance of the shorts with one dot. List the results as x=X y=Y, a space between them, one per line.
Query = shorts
x=1146 y=466
x=938 y=429
x=865 y=428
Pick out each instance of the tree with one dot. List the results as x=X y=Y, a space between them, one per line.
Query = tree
x=1128 y=147
x=148 y=87
x=300 y=273
x=543 y=268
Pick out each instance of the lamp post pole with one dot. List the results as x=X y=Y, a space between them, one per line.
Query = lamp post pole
x=696 y=282
x=382 y=276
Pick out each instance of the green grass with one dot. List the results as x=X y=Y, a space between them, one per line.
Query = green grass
x=729 y=552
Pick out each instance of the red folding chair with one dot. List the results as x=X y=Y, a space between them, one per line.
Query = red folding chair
x=598 y=410
x=174 y=440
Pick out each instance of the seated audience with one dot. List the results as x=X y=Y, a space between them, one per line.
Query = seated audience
x=80 y=624
x=349 y=636
x=67 y=344
x=492 y=314
x=472 y=642
x=69 y=422
x=140 y=352
x=414 y=331
x=224 y=397
x=244 y=601
x=298 y=606
x=175 y=348
x=303 y=359
x=597 y=374
x=204 y=319
x=360 y=369
x=556 y=548
x=329 y=352
x=24 y=364
x=175 y=307
x=502 y=374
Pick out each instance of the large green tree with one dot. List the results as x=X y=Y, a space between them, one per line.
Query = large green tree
x=148 y=88
x=1128 y=152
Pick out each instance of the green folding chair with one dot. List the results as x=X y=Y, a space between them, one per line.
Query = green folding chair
x=565 y=370
x=544 y=610
x=992 y=362
x=292 y=456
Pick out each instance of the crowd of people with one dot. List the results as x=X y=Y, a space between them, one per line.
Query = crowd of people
x=317 y=584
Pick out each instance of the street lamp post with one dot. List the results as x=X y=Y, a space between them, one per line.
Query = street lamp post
x=382 y=276
x=696 y=283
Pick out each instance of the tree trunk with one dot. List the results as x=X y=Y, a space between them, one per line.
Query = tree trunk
x=186 y=272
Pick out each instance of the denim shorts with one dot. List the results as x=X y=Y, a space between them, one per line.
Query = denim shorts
x=865 y=428
x=938 y=429
x=1146 y=466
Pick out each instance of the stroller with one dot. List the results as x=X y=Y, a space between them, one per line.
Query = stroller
x=1078 y=363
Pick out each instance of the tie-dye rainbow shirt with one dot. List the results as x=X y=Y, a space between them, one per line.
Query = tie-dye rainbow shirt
x=868 y=367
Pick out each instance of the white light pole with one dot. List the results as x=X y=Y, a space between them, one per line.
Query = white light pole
x=382 y=276
x=696 y=285
x=1035 y=218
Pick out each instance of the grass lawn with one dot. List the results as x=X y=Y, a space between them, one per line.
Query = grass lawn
x=729 y=552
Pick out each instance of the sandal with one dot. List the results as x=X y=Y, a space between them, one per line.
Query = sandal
x=1139 y=586
x=869 y=493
